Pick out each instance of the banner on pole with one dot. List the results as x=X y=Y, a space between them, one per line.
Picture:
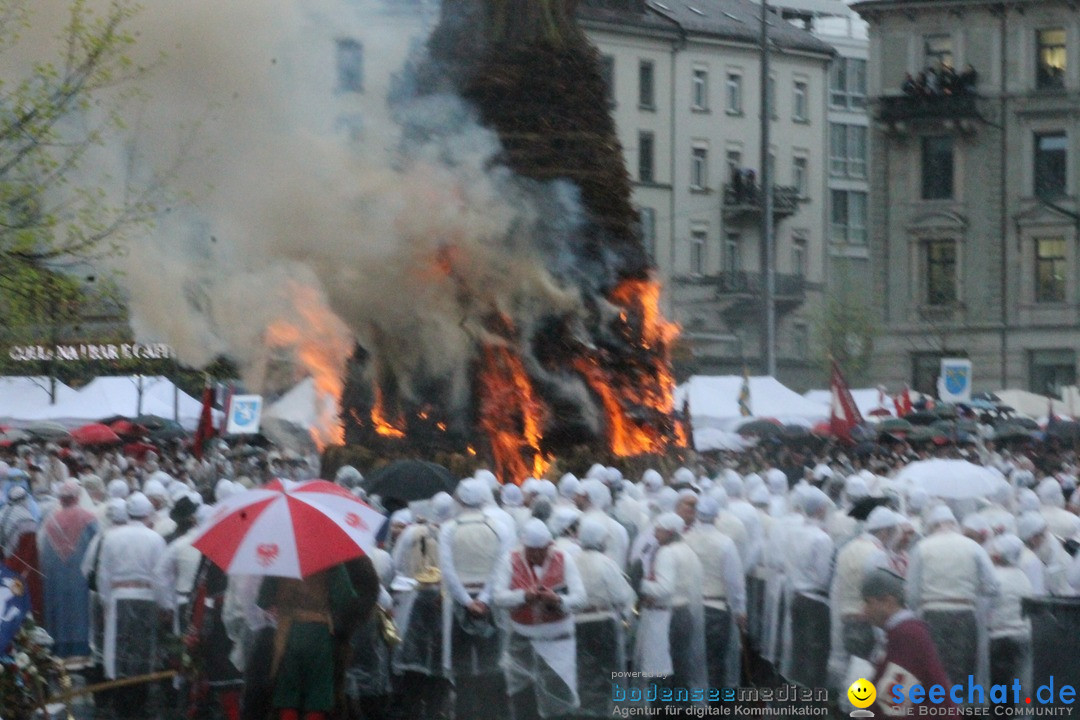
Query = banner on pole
x=954 y=385
x=245 y=413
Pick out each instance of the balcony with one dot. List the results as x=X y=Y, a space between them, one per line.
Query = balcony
x=740 y=293
x=743 y=203
x=903 y=113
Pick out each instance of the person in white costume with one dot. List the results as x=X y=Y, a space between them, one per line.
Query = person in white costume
x=127 y=581
x=601 y=642
x=593 y=498
x=1010 y=631
x=851 y=633
x=671 y=630
x=1033 y=529
x=950 y=578
x=469 y=550
x=723 y=590
x=540 y=586
x=807 y=573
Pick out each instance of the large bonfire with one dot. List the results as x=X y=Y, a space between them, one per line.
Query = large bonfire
x=533 y=77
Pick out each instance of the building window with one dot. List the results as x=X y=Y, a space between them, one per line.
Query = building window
x=801 y=104
x=350 y=65
x=699 y=89
x=1050 y=60
x=647 y=217
x=734 y=93
x=847 y=150
x=770 y=88
x=734 y=162
x=848 y=217
x=798 y=255
x=1051 y=162
x=607 y=72
x=731 y=252
x=937 y=167
x=699 y=168
x=698 y=237
x=926 y=368
x=847 y=83
x=1050 y=270
x=800 y=175
x=645 y=165
x=1052 y=370
x=937 y=50
x=940 y=272
x=646 y=85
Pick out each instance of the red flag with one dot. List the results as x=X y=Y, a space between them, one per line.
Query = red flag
x=205 y=430
x=903 y=403
x=845 y=414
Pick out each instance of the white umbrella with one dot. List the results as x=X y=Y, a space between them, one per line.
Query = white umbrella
x=953 y=479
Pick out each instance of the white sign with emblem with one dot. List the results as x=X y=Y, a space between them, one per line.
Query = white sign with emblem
x=954 y=384
x=245 y=413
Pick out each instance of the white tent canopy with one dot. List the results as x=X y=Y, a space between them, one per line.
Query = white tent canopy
x=707 y=439
x=23 y=393
x=289 y=420
x=299 y=406
x=119 y=395
x=1030 y=404
x=714 y=402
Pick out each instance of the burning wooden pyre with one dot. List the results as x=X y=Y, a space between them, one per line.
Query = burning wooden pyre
x=535 y=79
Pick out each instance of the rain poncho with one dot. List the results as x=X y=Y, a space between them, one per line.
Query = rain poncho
x=540 y=661
x=601 y=642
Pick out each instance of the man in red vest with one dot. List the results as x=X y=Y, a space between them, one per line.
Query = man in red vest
x=540 y=586
x=910 y=657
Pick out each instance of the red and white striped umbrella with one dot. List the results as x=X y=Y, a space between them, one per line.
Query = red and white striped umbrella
x=288 y=529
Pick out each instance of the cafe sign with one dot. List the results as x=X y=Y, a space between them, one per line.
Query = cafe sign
x=91 y=352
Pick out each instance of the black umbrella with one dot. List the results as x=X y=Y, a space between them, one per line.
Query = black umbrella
x=409 y=480
x=989 y=396
x=863 y=506
x=172 y=431
x=864 y=449
x=761 y=428
x=1064 y=429
x=153 y=422
x=922 y=417
x=1010 y=432
x=1024 y=422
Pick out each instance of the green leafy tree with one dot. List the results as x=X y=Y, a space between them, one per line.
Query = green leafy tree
x=53 y=212
x=847 y=326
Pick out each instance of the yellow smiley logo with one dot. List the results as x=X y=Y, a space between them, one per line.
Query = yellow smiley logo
x=861 y=693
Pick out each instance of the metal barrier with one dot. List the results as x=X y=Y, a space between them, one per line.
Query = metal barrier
x=1055 y=642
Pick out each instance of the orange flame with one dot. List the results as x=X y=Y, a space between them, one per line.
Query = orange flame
x=387 y=428
x=512 y=415
x=644 y=295
x=651 y=388
x=321 y=344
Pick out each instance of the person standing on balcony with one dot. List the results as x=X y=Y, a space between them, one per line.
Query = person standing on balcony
x=968 y=79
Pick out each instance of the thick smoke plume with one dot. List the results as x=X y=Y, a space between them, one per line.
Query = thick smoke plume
x=397 y=220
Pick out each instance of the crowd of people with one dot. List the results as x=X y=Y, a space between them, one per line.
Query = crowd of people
x=539 y=599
